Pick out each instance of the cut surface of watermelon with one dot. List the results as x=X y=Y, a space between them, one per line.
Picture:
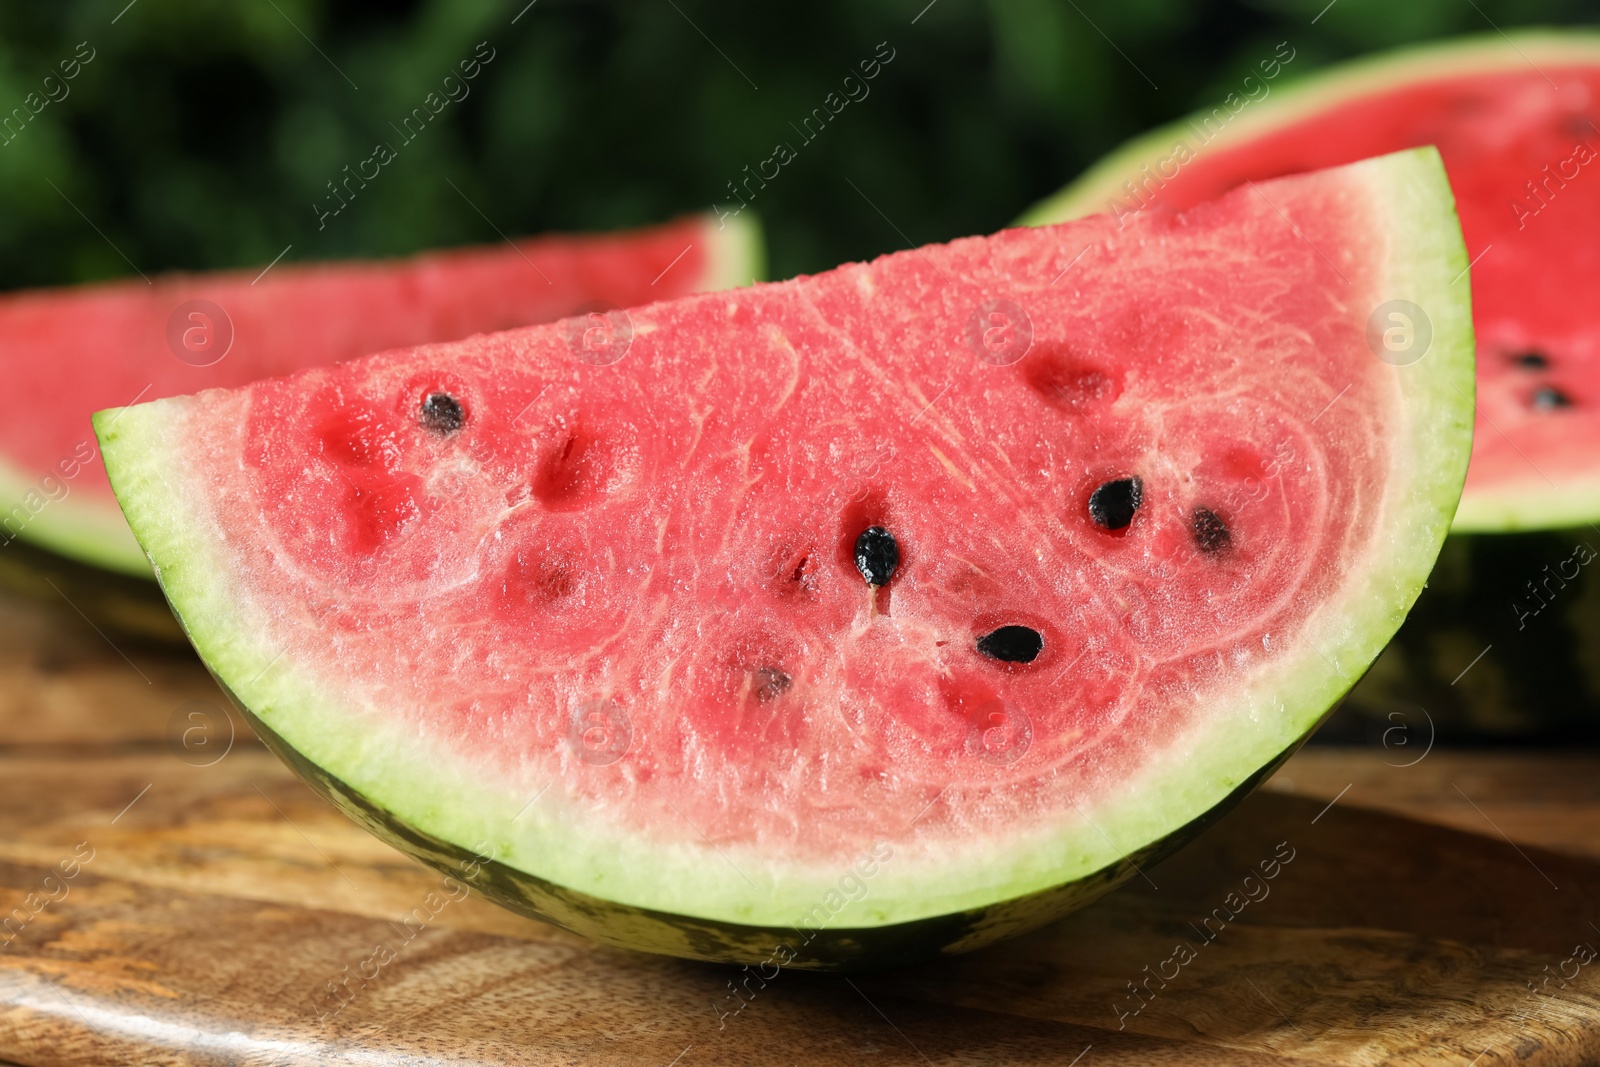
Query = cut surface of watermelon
x=1517 y=120
x=76 y=350
x=877 y=613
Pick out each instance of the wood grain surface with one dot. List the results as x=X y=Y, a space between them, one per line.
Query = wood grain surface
x=1440 y=912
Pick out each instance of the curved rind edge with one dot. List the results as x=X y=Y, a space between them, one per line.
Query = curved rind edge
x=1252 y=729
x=87 y=532
x=1539 y=505
x=95 y=533
x=798 y=948
x=1317 y=91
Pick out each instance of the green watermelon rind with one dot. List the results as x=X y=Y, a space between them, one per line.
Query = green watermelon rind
x=662 y=898
x=1534 y=505
x=738 y=253
x=1091 y=191
x=76 y=526
x=803 y=946
x=86 y=529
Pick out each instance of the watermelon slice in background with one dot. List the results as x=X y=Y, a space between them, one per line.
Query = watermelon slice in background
x=851 y=619
x=72 y=351
x=1517 y=120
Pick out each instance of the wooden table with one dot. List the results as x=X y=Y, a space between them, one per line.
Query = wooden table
x=210 y=905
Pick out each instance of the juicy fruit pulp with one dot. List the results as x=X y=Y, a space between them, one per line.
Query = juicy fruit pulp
x=1518 y=124
x=798 y=621
x=72 y=351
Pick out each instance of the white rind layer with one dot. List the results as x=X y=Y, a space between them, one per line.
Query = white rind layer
x=1416 y=246
x=1535 y=504
x=54 y=512
x=89 y=528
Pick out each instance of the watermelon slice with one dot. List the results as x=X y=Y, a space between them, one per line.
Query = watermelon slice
x=72 y=351
x=849 y=619
x=1517 y=121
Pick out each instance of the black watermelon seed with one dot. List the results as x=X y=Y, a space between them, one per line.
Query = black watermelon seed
x=771 y=683
x=1210 y=532
x=877 y=555
x=1012 y=644
x=1547 y=397
x=1531 y=360
x=442 y=413
x=1112 y=505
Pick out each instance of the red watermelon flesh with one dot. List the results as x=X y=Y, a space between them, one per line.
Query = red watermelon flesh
x=1518 y=124
x=609 y=627
x=73 y=351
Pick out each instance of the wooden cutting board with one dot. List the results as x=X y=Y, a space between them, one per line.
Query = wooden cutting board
x=212 y=899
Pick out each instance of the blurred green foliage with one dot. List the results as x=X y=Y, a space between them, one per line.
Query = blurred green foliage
x=203 y=131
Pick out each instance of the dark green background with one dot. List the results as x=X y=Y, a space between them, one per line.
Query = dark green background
x=204 y=129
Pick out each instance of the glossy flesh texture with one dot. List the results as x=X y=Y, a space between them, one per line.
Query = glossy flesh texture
x=73 y=351
x=1518 y=124
x=622 y=628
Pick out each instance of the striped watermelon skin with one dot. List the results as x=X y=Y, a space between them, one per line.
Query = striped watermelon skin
x=849 y=620
x=811 y=944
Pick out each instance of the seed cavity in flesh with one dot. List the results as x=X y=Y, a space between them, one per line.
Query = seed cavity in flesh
x=1012 y=644
x=770 y=684
x=1210 y=532
x=1548 y=397
x=442 y=413
x=1113 y=504
x=877 y=555
x=1531 y=360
